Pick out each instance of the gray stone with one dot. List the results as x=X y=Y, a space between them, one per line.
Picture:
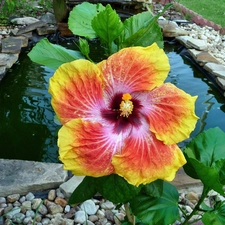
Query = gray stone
x=107 y=205
x=52 y=195
x=210 y=67
x=46 y=30
x=11 y=45
x=12 y=212
x=7 y=60
x=68 y=187
x=54 y=209
x=221 y=82
x=30 y=196
x=18 y=218
x=196 y=43
x=2 y=200
x=27 y=205
x=80 y=217
x=220 y=73
x=202 y=57
x=89 y=207
x=24 y=21
x=19 y=176
x=13 y=197
x=48 y=18
x=31 y=27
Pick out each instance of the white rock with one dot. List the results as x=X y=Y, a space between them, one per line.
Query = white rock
x=89 y=207
x=80 y=217
x=107 y=205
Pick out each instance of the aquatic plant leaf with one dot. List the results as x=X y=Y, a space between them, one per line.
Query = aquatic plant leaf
x=84 y=191
x=108 y=26
x=51 y=55
x=205 y=158
x=161 y=210
x=116 y=189
x=80 y=19
x=215 y=217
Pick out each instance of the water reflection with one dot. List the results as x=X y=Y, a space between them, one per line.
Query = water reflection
x=27 y=129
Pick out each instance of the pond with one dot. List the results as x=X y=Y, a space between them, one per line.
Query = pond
x=27 y=128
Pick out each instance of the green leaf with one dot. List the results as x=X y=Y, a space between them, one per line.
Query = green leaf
x=141 y=30
x=215 y=217
x=85 y=190
x=51 y=55
x=84 y=47
x=116 y=188
x=108 y=26
x=206 y=159
x=153 y=189
x=157 y=210
x=81 y=17
x=208 y=175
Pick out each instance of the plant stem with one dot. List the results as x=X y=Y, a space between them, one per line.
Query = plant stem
x=205 y=191
x=130 y=217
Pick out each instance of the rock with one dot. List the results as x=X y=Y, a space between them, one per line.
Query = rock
x=89 y=207
x=30 y=196
x=11 y=213
x=11 y=45
x=13 y=198
x=196 y=43
x=52 y=195
x=54 y=209
x=46 y=30
x=192 y=197
x=80 y=217
x=221 y=82
x=93 y=218
x=48 y=18
x=210 y=67
x=36 y=203
x=107 y=205
x=28 y=176
x=202 y=57
x=68 y=187
x=220 y=73
x=27 y=205
x=31 y=27
x=24 y=20
x=61 y=201
x=118 y=217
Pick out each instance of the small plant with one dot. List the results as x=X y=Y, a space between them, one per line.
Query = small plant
x=22 y=8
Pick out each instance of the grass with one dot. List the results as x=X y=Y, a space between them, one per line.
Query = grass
x=212 y=10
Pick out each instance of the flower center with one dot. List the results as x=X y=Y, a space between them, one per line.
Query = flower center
x=126 y=106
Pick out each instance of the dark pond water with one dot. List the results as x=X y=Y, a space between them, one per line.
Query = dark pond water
x=27 y=128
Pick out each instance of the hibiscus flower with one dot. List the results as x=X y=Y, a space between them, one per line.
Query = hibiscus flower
x=119 y=117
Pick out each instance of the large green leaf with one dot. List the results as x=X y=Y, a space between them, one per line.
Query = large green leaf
x=208 y=175
x=206 y=159
x=107 y=25
x=85 y=190
x=116 y=188
x=161 y=210
x=141 y=30
x=81 y=17
x=215 y=217
x=154 y=189
x=51 y=55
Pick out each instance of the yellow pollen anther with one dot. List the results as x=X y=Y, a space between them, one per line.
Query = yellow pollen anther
x=126 y=106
